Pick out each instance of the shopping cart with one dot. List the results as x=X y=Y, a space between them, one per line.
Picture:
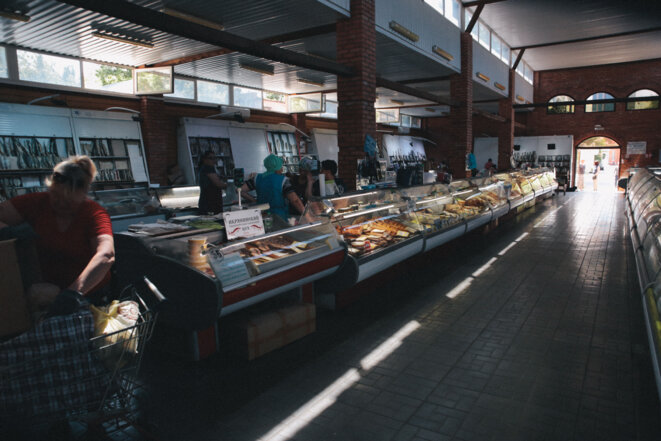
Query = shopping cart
x=58 y=372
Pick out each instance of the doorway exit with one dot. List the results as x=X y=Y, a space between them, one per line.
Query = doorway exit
x=597 y=169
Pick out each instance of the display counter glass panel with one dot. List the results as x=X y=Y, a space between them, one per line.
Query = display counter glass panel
x=179 y=197
x=128 y=201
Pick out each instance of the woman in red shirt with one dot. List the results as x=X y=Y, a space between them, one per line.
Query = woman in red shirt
x=74 y=234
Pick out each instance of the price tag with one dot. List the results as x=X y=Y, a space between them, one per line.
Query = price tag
x=230 y=269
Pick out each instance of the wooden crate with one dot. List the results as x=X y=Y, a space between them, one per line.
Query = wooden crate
x=265 y=332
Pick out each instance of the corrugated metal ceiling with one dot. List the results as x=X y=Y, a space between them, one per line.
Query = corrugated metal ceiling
x=529 y=22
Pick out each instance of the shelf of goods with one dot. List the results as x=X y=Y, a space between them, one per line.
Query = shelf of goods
x=33 y=139
x=643 y=214
x=524 y=187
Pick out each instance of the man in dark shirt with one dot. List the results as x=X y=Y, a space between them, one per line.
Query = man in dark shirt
x=211 y=186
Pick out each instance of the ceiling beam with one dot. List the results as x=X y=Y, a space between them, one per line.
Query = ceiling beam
x=477 y=2
x=426 y=80
x=518 y=59
x=402 y=88
x=488 y=115
x=580 y=40
x=176 y=26
x=475 y=16
x=282 y=38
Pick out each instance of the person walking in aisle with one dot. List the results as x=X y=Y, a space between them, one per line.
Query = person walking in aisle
x=581 y=175
x=595 y=176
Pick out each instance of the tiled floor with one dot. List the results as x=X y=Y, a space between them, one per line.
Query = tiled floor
x=532 y=331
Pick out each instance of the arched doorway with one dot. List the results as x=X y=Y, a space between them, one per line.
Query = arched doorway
x=597 y=164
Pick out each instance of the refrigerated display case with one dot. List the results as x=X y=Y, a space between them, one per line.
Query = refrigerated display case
x=643 y=216
x=434 y=211
x=250 y=270
x=380 y=229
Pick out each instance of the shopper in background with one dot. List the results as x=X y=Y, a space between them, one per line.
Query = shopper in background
x=211 y=186
x=471 y=163
x=581 y=175
x=74 y=235
x=595 y=176
x=274 y=188
x=307 y=167
x=490 y=167
x=334 y=185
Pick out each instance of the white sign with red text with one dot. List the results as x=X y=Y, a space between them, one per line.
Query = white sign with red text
x=244 y=223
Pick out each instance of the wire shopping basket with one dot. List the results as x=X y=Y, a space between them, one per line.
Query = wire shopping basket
x=60 y=371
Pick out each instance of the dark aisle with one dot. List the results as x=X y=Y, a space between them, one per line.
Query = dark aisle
x=533 y=331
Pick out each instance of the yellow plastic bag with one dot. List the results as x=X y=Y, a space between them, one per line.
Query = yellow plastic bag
x=110 y=321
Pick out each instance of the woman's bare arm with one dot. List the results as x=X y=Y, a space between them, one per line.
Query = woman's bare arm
x=9 y=216
x=98 y=266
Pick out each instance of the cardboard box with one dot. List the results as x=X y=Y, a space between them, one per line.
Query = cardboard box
x=14 y=313
x=263 y=333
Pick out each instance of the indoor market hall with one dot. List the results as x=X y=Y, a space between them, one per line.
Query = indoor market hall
x=531 y=331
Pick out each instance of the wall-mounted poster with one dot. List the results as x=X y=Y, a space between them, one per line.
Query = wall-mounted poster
x=636 y=147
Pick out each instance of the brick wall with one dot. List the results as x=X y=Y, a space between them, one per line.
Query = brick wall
x=506 y=129
x=461 y=116
x=356 y=47
x=622 y=125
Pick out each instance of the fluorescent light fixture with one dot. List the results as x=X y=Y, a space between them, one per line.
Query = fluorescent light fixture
x=404 y=31
x=15 y=15
x=264 y=70
x=499 y=86
x=482 y=76
x=398 y=102
x=123 y=39
x=310 y=82
x=193 y=19
x=438 y=51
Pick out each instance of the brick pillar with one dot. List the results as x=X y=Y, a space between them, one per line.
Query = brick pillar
x=506 y=129
x=159 y=133
x=461 y=115
x=356 y=47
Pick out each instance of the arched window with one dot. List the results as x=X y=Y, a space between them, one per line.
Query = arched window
x=567 y=108
x=643 y=105
x=600 y=107
x=598 y=141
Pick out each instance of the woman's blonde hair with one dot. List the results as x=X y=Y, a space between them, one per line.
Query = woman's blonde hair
x=76 y=172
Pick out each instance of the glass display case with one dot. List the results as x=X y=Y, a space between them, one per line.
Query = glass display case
x=643 y=197
x=643 y=217
x=231 y=275
x=128 y=206
x=375 y=228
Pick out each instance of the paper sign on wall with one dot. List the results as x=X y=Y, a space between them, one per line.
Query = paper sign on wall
x=244 y=223
x=636 y=148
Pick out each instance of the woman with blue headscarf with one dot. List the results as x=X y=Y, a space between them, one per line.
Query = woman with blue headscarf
x=275 y=189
